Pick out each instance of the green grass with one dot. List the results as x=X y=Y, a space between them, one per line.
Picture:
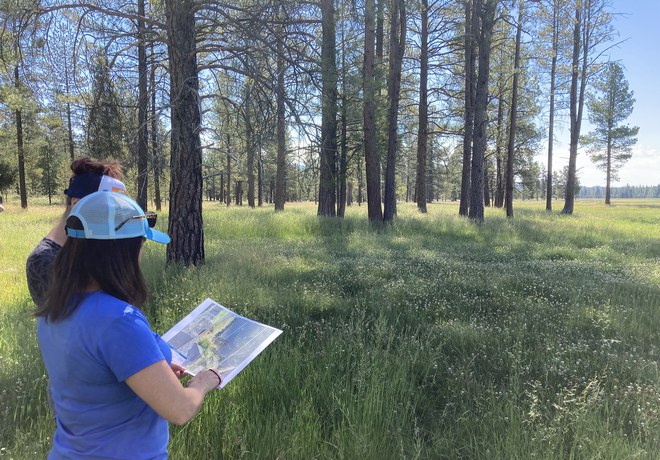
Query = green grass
x=536 y=337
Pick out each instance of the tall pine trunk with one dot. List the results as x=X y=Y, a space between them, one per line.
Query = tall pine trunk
x=185 y=222
x=228 y=192
x=19 y=146
x=486 y=184
x=380 y=29
x=250 y=150
x=422 y=135
x=343 y=142
x=608 y=167
x=574 y=114
x=280 y=172
x=471 y=28
x=328 y=176
x=143 y=105
x=155 y=157
x=487 y=16
x=372 y=166
x=260 y=176
x=499 y=183
x=69 y=124
x=551 y=121
x=397 y=48
x=508 y=198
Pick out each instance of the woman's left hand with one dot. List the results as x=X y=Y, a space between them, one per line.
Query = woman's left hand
x=178 y=370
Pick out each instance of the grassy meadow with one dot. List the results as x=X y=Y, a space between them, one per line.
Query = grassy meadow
x=433 y=338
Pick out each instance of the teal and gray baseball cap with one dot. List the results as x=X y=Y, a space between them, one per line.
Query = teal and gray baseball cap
x=112 y=216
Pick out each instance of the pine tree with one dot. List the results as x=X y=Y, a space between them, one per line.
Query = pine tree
x=610 y=144
x=104 y=126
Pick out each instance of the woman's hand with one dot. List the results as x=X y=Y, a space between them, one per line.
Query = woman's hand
x=206 y=380
x=159 y=387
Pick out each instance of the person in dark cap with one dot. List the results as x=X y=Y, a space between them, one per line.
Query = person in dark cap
x=111 y=375
x=88 y=176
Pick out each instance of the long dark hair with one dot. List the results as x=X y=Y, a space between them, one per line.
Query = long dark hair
x=113 y=264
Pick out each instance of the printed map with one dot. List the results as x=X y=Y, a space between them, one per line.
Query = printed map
x=212 y=336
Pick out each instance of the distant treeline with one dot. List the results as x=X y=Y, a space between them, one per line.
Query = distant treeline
x=627 y=191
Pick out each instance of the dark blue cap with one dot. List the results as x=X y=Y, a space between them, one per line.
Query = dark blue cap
x=84 y=184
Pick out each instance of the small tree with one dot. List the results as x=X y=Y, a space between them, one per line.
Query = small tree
x=104 y=124
x=610 y=144
x=560 y=181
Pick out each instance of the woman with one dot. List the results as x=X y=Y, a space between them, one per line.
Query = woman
x=113 y=383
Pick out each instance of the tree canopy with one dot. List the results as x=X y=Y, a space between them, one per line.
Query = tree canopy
x=278 y=101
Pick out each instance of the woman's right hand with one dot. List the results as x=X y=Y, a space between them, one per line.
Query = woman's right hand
x=207 y=380
x=159 y=387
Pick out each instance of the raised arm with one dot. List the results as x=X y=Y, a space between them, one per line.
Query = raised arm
x=58 y=233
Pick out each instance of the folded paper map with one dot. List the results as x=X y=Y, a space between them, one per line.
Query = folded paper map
x=212 y=336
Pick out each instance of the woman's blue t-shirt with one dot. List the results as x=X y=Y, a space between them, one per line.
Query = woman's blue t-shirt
x=88 y=356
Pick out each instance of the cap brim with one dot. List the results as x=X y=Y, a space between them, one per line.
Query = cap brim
x=158 y=237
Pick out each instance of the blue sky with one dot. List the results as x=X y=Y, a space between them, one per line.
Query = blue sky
x=638 y=23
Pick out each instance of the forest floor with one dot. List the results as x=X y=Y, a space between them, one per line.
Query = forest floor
x=532 y=337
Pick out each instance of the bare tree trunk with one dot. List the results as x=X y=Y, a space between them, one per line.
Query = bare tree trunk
x=486 y=184
x=260 y=177
x=471 y=29
x=328 y=176
x=228 y=193
x=341 y=193
x=609 y=168
x=499 y=186
x=185 y=224
x=397 y=48
x=68 y=112
x=343 y=162
x=49 y=175
x=575 y=119
x=508 y=198
x=143 y=105
x=380 y=29
x=249 y=139
x=239 y=193
x=155 y=157
x=280 y=174
x=409 y=195
x=360 y=199
x=422 y=135
x=372 y=166
x=487 y=13
x=19 y=145
x=551 y=122
x=221 y=196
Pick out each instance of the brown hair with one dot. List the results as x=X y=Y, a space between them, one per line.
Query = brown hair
x=113 y=264
x=87 y=165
